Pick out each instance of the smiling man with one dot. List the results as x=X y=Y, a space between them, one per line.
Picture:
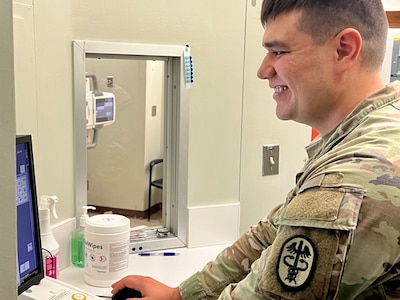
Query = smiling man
x=321 y=70
x=337 y=233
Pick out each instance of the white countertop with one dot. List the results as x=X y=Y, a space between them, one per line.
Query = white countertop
x=171 y=270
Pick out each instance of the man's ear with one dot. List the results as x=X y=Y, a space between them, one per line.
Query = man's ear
x=348 y=46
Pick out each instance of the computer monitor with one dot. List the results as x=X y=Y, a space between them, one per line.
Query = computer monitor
x=29 y=259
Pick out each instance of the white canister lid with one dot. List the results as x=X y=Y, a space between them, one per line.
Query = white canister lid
x=107 y=224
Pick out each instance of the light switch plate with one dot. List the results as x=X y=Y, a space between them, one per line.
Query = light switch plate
x=270 y=160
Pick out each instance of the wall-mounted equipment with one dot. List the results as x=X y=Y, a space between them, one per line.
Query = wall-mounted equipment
x=395 y=66
x=100 y=110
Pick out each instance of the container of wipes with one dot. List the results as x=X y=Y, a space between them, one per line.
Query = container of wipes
x=106 y=249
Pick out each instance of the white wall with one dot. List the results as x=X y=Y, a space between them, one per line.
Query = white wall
x=219 y=133
x=8 y=234
x=43 y=59
x=216 y=96
x=391 y=5
x=259 y=194
x=154 y=131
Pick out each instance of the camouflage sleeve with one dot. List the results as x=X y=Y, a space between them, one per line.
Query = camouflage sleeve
x=307 y=258
x=232 y=264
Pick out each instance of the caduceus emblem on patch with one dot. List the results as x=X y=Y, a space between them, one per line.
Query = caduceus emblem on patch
x=296 y=262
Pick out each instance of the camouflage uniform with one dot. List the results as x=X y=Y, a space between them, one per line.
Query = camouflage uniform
x=338 y=234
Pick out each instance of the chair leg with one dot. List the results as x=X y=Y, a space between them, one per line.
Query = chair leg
x=149 y=209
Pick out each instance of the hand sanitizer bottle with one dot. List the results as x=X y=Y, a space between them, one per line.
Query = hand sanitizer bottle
x=78 y=239
x=50 y=246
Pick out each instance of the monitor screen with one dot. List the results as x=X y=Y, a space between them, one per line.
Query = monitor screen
x=105 y=109
x=29 y=256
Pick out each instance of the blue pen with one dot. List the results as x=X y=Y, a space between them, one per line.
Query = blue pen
x=158 y=254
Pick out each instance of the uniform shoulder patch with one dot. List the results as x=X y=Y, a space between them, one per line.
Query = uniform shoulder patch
x=296 y=262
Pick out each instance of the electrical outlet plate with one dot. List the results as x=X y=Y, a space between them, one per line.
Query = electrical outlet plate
x=110 y=81
x=270 y=160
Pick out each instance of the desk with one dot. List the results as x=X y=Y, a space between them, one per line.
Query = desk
x=171 y=270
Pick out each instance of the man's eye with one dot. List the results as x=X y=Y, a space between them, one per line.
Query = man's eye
x=278 y=53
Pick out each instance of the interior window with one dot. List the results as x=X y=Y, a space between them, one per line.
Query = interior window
x=142 y=101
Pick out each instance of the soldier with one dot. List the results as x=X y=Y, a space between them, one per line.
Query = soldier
x=337 y=235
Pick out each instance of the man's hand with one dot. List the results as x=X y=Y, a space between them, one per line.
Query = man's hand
x=150 y=288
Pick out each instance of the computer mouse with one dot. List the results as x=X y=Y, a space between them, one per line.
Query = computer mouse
x=126 y=293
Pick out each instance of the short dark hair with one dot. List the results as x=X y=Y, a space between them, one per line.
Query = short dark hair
x=323 y=19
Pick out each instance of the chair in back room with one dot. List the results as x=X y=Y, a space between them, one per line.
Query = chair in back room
x=157 y=183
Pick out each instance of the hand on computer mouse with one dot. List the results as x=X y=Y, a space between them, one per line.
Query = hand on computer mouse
x=149 y=288
x=126 y=293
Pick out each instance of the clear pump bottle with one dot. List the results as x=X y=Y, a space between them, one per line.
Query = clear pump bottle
x=78 y=239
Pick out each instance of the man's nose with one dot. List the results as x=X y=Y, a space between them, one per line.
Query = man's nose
x=266 y=69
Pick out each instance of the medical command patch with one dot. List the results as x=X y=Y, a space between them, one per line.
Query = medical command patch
x=296 y=262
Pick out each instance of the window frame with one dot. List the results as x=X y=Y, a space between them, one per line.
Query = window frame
x=175 y=214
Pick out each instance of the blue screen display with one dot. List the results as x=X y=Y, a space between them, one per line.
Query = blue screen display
x=29 y=264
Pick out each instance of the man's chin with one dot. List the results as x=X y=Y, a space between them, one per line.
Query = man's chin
x=282 y=116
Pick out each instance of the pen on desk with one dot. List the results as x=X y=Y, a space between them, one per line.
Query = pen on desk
x=158 y=254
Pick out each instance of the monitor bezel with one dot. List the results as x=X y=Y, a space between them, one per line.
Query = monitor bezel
x=36 y=277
